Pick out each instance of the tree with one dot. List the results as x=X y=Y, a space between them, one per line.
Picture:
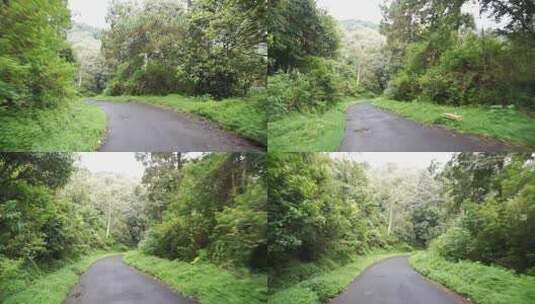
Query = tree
x=520 y=15
x=217 y=212
x=35 y=66
x=299 y=29
x=50 y=169
x=162 y=177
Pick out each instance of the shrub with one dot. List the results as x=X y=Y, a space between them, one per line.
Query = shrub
x=316 y=88
x=455 y=244
x=10 y=276
x=288 y=92
x=402 y=87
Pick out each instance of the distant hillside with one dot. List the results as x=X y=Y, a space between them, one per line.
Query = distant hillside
x=353 y=24
x=361 y=34
x=83 y=37
x=86 y=41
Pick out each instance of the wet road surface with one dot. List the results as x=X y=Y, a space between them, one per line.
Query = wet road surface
x=144 y=128
x=369 y=129
x=393 y=281
x=110 y=281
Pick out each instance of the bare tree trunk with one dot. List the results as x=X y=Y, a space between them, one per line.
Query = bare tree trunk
x=358 y=74
x=390 y=218
x=108 y=224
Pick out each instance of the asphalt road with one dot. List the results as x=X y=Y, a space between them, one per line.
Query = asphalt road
x=144 y=128
x=369 y=129
x=110 y=281
x=393 y=281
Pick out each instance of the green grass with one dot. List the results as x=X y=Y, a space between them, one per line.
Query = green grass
x=53 y=287
x=508 y=125
x=309 y=132
x=321 y=285
x=74 y=127
x=241 y=115
x=482 y=284
x=203 y=281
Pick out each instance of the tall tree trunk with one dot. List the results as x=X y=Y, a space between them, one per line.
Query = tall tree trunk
x=358 y=74
x=108 y=224
x=390 y=218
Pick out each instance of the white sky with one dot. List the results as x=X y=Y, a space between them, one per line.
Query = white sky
x=122 y=163
x=92 y=12
x=416 y=160
x=369 y=10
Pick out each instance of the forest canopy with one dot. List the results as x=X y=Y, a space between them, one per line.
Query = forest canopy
x=436 y=53
x=477 y=206
x=210 y=47
x=36 y=63
x=423 y=50
x=208 y=208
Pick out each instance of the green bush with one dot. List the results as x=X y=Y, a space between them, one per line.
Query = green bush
x=461 y=69
x=402 y=87
x=494 y=233
x=454 y=244
x=288 y=92
x=324 y=79
x=480 y=283
x=10 y=276
x=36 y=67
x=316 y=88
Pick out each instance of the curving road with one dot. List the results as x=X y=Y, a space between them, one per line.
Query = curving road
x=369 y=129
x=145 y=128
x=110 y=281
x=393 y=281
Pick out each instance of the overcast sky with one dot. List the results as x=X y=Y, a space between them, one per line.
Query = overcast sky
x=92 y=12
x=416 y=160
x=369 y=10
x=122 y=163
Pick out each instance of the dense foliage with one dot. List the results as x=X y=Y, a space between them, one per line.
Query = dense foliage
x=329 y=211
x=159 y=47
x=214 y=208
x=51 y=211
x=92 y=69
x=492 y=198
x=435 y=53
x=303 y=42
x=314 y=60
x=36 y=67
x=320 y=207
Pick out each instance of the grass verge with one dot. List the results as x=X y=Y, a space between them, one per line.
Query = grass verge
x=481 y=284
x=202 y=281
x=309 y=132
x=52 y=287
x=508 y=125
x=321 y=285
x=241 y=115
x=74 y=127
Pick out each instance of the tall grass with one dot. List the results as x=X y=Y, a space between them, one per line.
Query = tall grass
x=312 y=283
x=73 y=127
x=50 y=287
x=309 y=132
x=506 y=124
x=244 y=116
x=203 y=281
x=480 y=283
